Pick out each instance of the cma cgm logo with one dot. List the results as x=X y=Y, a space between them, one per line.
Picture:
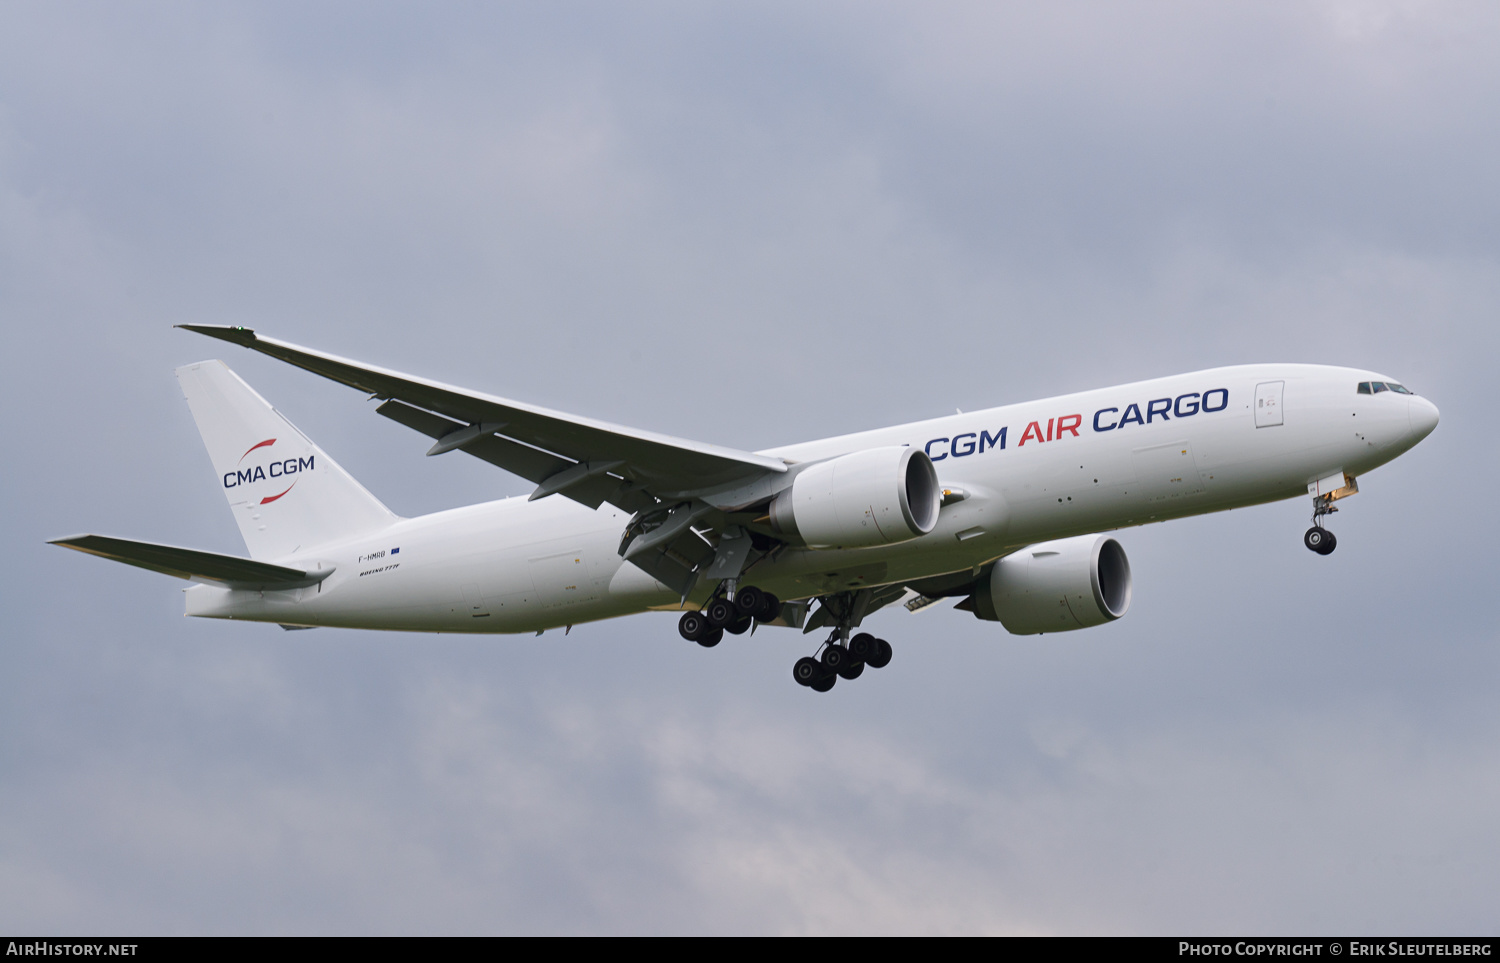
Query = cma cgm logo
x=276 y=469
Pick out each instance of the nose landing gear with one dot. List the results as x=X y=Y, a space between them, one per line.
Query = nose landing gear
x=1318 y=538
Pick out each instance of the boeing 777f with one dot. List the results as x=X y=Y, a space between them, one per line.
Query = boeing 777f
x=1004 y=508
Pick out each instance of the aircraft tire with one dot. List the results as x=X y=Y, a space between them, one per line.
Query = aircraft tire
x=851 y=670
x=862 y=646
x=882 y=656
x=1319 y=540
x=835 y=657
x=807 y=670
x=739 y=626
x=749 y=600
x=770 y=608
x=825 y=683
x=692 y=625
x=711 y=638
x=720 y=613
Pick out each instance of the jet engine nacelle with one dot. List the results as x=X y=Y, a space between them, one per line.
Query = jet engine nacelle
x=1059 y=586
x=864 y=499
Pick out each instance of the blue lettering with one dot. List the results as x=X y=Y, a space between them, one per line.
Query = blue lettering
x=1152 y=411
x=994 y=441
x=1132 y=413
x=1224 y=403
x=305 y=464
x=260 y=473
x=227 y=482
x=274 y=473
x=244 y=477
x=968 y=449
x=1177 y=408
x=1099 y=427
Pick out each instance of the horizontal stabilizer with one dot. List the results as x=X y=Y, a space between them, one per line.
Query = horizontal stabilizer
x=228 y=570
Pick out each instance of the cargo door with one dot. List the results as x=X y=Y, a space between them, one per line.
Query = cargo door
x=1268 y=403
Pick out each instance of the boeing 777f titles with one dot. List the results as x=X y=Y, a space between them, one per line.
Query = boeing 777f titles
x=1003 y=508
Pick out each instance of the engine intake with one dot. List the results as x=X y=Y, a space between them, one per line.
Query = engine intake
x=879 y=496
x=1071 y=583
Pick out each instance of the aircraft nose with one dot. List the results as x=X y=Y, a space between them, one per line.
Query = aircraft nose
x=1423 y=415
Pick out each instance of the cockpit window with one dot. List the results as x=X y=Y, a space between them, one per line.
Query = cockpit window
x=1376 y=387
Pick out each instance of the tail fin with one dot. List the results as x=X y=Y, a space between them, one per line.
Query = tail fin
x=286 y=494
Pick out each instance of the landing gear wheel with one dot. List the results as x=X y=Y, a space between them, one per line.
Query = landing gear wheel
x=835 y=657
x=851 y=670
x=882 y=656
x=825 y=683
x=770 y=608
x=862 y=646
x=749 y=600
x=711 y=638
x=720 y=613
x=692 y=625
x=739 y=626
x=807 y=671
x=1320 y=540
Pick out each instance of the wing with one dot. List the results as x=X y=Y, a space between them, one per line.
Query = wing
x=229 y=570
x=675 y=488
x=535 y=443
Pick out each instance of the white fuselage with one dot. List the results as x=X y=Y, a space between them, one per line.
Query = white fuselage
x=1070 y=465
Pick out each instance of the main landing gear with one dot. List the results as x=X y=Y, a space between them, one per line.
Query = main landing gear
x=735 y=611
x=1318 y=538
x=842 y=661
x=732 y=612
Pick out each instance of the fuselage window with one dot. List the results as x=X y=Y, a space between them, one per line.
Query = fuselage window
x=1364 y=388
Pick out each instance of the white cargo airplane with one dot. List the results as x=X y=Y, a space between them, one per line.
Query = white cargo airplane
x=1000 y=507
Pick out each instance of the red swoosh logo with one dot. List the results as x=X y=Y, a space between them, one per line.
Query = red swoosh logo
x=268 y=441
x=268 y=500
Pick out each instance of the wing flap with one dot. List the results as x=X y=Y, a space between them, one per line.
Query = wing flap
x=188 y=563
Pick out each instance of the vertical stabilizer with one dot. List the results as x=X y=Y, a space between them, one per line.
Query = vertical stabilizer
x=287 y=495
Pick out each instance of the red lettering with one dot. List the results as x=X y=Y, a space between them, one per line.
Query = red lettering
x=1069 y=423
x=1033 y=430
x=1049 y=429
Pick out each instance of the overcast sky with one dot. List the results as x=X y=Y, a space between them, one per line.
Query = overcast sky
x=753 y=225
